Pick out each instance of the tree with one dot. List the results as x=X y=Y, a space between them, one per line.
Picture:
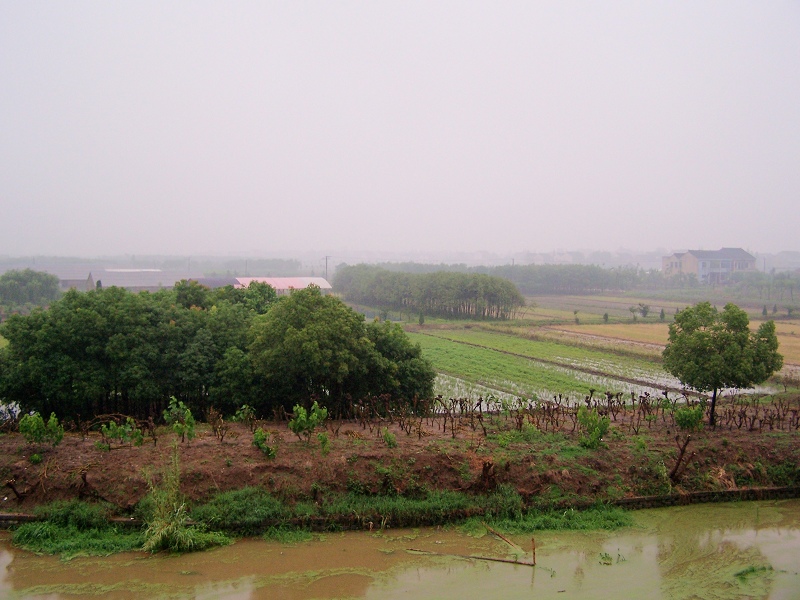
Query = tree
x=311 y=345
x=710 y=350
x=18 y=288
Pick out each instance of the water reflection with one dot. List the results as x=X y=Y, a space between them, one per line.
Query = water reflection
x=686 y=552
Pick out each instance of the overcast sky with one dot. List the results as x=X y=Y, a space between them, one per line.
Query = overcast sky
x=273 y=128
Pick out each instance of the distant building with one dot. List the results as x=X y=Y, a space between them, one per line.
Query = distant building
x=709 y=266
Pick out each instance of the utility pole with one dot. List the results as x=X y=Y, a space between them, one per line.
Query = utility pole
x=326 y=267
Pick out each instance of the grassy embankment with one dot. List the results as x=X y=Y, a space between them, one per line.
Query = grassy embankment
x=78 y=528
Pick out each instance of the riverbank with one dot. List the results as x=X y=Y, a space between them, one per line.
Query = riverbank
x=435 y=472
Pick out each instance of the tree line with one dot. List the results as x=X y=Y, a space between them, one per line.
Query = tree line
x=113 y=351
x=443 y=293
x=22 y=290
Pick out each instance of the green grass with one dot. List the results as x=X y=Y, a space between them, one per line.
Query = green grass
x=73 y=529
x=598 y=517
x=248 y=511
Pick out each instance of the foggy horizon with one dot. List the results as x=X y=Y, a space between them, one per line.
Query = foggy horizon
x=414 y=128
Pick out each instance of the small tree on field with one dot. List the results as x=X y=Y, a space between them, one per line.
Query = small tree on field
x=662 y=315
x=180 y=418
x=710 y=350
x=305 y=422
x=644 y=309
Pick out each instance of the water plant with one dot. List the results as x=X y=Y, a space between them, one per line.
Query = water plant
x=167 y=521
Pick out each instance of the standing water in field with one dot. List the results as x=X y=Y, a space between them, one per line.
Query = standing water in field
x=735 y=550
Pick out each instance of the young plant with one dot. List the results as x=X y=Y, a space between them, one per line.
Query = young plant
x=127 y=433
x=261 y=441
x=324 y=443
x=247 y=416
x=389 y=438
x=180 y=418
x=305 y=422
x=36 y=431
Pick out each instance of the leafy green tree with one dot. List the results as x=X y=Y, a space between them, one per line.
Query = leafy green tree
x=314 y=346
x=18 y=288
x=710 y=350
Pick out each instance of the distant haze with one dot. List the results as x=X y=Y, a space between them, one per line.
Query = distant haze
x=273 y=128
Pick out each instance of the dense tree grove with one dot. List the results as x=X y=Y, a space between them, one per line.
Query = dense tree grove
x=27 y=287
x=443 y=293
x=114 y=351
x=313 y=345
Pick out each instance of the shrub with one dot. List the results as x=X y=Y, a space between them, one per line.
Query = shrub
x=36 y=431
x=594 y=427
x=690 y=419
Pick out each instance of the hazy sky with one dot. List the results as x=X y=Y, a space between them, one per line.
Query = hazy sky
x=277 y=127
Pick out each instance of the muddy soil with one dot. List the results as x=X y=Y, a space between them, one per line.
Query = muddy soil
x=544 y=469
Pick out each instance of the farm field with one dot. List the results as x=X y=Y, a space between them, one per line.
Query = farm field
x=547 y=352
x=503 y=364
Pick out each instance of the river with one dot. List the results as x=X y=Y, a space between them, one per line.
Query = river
x=671 y=553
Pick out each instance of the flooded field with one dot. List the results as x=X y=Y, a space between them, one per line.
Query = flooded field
x=736 y=550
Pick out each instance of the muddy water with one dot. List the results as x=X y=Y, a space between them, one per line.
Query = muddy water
x=685 y=552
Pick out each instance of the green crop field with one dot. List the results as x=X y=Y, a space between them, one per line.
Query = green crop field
x=526 y=368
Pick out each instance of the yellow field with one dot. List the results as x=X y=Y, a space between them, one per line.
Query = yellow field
x=647 y=333
x=657 y=333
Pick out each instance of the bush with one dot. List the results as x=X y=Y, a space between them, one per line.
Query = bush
x=36 y=431
x=690 y=419
x=594 y=427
